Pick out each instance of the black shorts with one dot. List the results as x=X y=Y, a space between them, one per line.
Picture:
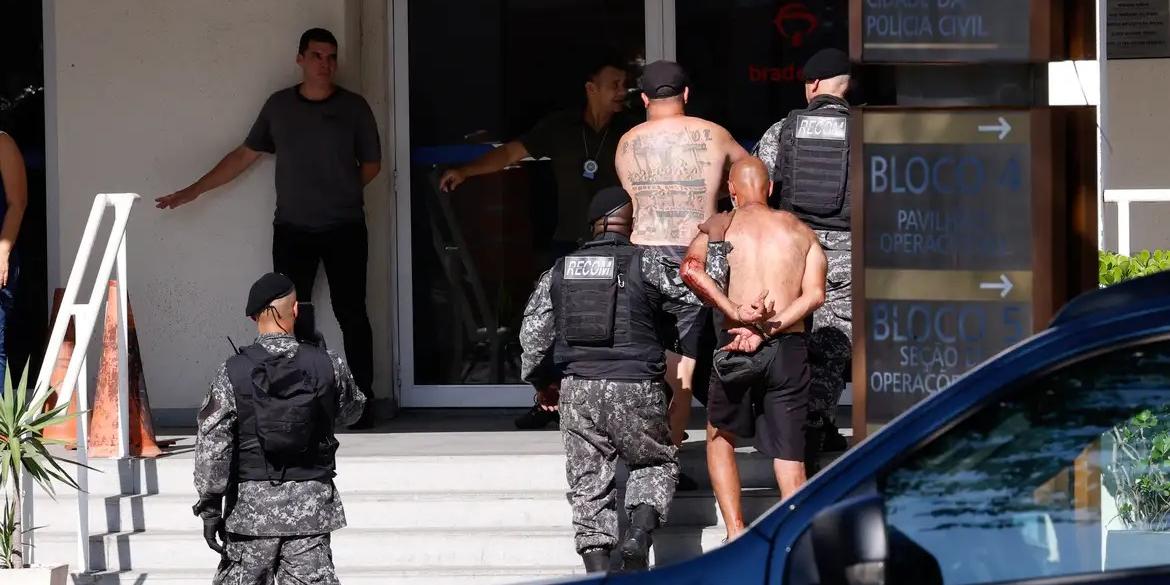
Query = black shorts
x=771 y=409
x=686 y=320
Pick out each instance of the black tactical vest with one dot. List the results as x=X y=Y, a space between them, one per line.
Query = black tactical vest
x=604 y=314
x=286 y=408
x=813 y=159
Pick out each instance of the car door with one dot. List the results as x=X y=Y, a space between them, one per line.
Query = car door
x=1062 y=478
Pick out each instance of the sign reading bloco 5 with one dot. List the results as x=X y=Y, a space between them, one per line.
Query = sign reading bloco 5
x=948 y=249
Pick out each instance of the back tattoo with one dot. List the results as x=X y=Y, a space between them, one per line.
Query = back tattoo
x=667 y=181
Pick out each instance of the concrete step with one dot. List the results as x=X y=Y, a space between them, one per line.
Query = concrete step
x=415 y=576
x=386 y=511
x=413 y=474
x=380 y=550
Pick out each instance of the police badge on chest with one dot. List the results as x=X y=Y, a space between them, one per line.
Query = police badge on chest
x=589 y=170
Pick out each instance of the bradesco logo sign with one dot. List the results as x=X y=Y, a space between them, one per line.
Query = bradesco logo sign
x=588 y=268
x=795 y=23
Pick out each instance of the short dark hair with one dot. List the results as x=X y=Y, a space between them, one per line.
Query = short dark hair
x=594 y=66
x=319 y=35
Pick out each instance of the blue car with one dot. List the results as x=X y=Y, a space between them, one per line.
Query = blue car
x=1047 y=465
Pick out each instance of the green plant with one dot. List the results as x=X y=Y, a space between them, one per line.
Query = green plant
x=24 y=453
x=1138 y=475
x=1139 y=472
x=1113 y=268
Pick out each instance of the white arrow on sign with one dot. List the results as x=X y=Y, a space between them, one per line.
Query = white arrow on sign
x=1004 y=285
x=1003 y=128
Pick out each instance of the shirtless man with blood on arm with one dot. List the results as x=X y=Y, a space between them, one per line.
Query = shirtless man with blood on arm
x=759 y=386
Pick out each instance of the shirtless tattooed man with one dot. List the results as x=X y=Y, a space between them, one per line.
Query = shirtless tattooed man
x=673 y=165
x=760 y=382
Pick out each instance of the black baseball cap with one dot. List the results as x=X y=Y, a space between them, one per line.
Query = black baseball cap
x=826 y=64
x=664 y=79
x=607 y=201
x=270 y=287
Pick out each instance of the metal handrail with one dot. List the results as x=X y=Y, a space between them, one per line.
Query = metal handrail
x=85 y=316
x=1123 y=197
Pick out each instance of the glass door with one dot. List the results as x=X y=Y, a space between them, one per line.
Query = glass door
x=469 y=76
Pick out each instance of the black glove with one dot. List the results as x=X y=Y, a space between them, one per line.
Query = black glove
x=213 y=527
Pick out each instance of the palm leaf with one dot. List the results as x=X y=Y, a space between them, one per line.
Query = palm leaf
x=62 y=475
x=23 y=449
x=22 y=387
x=43 y=476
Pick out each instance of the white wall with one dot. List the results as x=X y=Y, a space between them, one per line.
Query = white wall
x=149 y=95
x=1138 y=146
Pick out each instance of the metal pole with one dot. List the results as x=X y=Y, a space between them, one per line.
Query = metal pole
x=1102 y=119
x=82 y=472
x=69 y=300
x=123 y=309
x=1123 y=227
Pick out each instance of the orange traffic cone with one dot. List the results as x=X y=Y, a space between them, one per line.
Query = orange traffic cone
x=103 y=427
x=66 y=431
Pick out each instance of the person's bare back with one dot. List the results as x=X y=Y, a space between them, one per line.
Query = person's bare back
x=769 y=254
x=775 y=260
x=673 y=166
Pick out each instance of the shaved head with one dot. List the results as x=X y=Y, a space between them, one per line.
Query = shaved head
x=279 y=316
x=836 y=86
x=621 y=221
x=749 y=182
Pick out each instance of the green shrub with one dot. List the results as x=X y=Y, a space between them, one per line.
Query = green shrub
x=1113 y=268
x=1138 y=474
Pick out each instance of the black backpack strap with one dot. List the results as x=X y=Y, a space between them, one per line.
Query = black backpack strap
x=317 y=363
x=239 y=370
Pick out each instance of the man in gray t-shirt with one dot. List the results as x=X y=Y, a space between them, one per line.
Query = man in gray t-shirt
x=327 y=149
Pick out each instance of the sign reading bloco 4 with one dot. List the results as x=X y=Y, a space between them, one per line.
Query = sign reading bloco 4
x=960 y=248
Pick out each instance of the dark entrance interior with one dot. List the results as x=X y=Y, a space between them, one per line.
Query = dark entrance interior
x=22 y=115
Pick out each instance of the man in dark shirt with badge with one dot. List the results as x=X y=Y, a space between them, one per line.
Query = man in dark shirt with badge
x=327 y=146
x=582 y=146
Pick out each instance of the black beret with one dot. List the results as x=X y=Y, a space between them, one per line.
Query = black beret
x=607 y=201
x=664 y=79
x=825 y=64
x=270 y=287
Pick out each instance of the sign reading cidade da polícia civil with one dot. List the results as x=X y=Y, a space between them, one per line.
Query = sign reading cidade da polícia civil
x=939 y=31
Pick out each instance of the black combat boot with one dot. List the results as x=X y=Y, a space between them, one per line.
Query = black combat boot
x=596 y=560
x=636 y=546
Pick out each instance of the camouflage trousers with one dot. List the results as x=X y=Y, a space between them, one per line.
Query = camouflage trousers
x=830 y=343
x=291 y=560
x=602 y=420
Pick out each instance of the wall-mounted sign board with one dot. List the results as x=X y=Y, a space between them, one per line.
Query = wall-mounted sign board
x=953 y=31
x=1137 y=29
x=958 y=246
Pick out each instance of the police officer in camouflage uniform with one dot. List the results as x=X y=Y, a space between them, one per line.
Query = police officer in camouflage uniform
x=808 y=158
x=595 y=325
x=264 y=453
